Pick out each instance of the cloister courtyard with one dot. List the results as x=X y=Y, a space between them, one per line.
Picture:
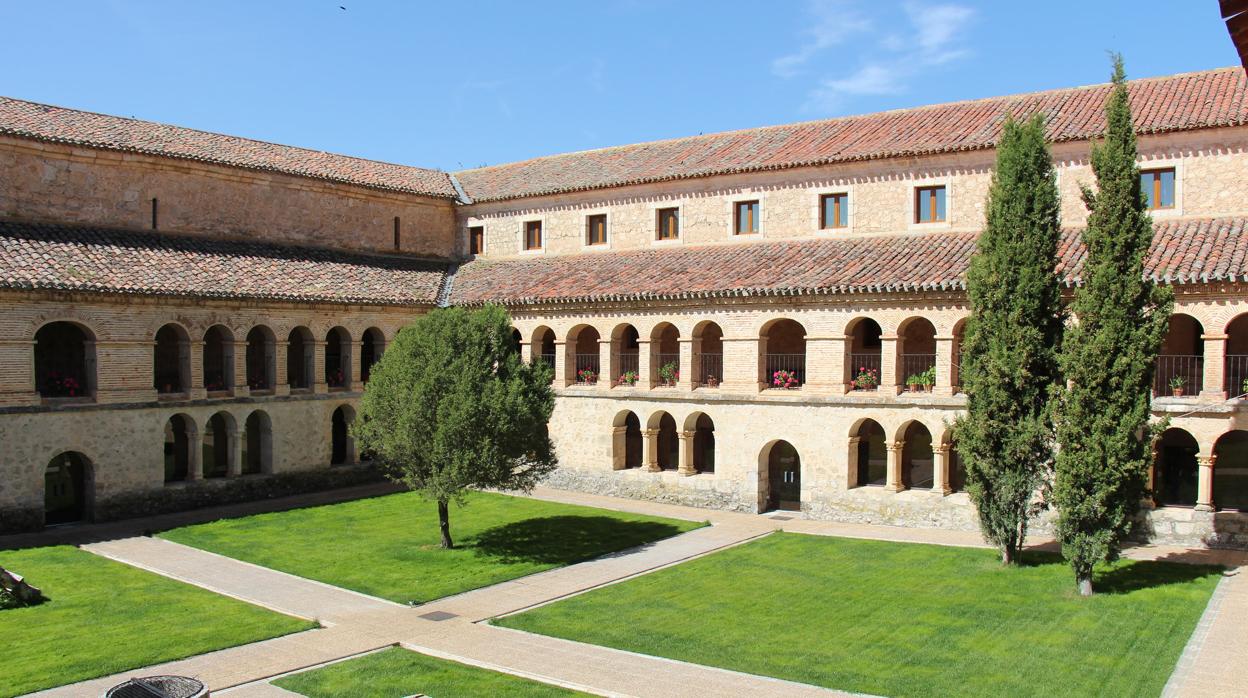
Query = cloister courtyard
x=561 y=593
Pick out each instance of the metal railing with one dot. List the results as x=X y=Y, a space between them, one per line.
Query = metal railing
x=661 y=360
x=627 y=362
x=792 y=363
x=1236 y=374
x=587 y=362
x=1187 y=370
x=860 y=363
x=915 y=365
x=712 y=366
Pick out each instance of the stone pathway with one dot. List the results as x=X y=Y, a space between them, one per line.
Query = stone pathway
x=450 y=628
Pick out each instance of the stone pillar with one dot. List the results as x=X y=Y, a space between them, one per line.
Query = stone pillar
x=17 y=356
x=234 y=461
x=741 y=364
x=822 y=355
x=563 y=376
x=763 y=376
x=940 y=465
x=647 y=372
x=605 y=379
x=895 y=450
x=526 y=351
x=241 y=381
x=685 y=381
x=195 y=453
x=890 y=383
x=944 y=366
x=851 y=463
x=281 y=381
x=1204 y=483
x=685 y=467
x=651 y=441
x=1215 y=387
x=353 y=372
x=619 y=447
x=197 y=390
x=319 y=386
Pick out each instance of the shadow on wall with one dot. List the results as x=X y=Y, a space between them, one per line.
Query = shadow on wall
x=564 y=540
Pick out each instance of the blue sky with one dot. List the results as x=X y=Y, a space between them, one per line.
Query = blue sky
x=461 y=84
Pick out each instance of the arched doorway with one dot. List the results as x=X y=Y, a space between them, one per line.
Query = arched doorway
x=1175 y=471
x=1236 y=366
x=66 y=493
x=178 y=431
x=704 y=444
x=627 y=446
x=784 y=477
x=916 y=457
x=1230 y=471
x=216 y=445
x=669 y=442
x=871 y=454
x=342 y=445
x=258 y=444
x=64 y=361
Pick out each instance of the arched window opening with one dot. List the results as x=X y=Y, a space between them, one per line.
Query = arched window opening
x=586 y=367
x=784 y=477
x=957 y=469
x=177 y=449
x=337 y=358
x=67 y=489
x=299 y=359
x=216 y=445
x=258 y=444
x=64 y=361
x=708 y=350
x=862 y=371
x=371 y=349
x=871 y=452
x=1181 y=362
x=665 y=355
x=218 y=360
x=783 y=344
x=1175 y=470
x=704 y=445
x=342 y=445
x=261 y=359
x=517 y=341
x=959 y=336
x=627 y=446
x=1230 y=471
x=1236 y=356
x=916 y=347
x=917 y=460
x=625 y=355
x=172 y=370
x=669 y=443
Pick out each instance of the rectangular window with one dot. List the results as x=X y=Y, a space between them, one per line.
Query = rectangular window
x=745 y=214
x=833 y=211
x=929 y=204
x=476 y=239
x=1158 y=188
x=533 y=235
x=668 y=224
x=596 y=229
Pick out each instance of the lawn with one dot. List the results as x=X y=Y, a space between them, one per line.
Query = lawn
x=388 y=546
x=395 y=673
x=899 y=619
x=103 y=617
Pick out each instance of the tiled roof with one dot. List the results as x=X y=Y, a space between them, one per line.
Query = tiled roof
x=1173 y=103
x=1184 y=252
x=116 y=261
x=59 y=125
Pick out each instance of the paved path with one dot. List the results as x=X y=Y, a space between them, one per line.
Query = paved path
x=357 y=623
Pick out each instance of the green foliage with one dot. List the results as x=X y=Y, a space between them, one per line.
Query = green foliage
x=1013 y=336
x=1104 y=432
x=451 y=407
x=669 y=372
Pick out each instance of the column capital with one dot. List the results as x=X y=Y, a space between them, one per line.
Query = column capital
x=941 y=448
x=854 y=440
x=1206 y=461
x=688 y=434
x=896 y=446
x=619 y=430
x=650 y=433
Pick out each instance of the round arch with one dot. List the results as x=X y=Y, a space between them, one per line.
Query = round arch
x=708 y=354
x=625 y=354
x=864 y=361
x=338 y=358
x=261 y=358
x=868 y=454
x=218 y=359
x=65 y=360
x=1175 y=468
x=218 y=443
x=1180 y=361
x=664 y=354
x=782 y=346
x=257 y=454
x=171 y=359
x=780 y=466
x=916 y=353
x=181 y=440
x=341 y=443
x=68 y=489
x=372 y=346
x=917 y=456
x=1230 y=471
x=584 y=364
x=702 y=427
x=300 y=346
x=626 y=442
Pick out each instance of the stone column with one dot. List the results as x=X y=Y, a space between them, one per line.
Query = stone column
x=851 y=463
x=763 y=376
x=1204 y=483
x=685 y=467
x=619 y=447
x=526 y=351
x=605 y=379
x=651 y=440
x=355 y=372
x=685 y=381
x=195 y=453
x=944 y=366
x=1215 y=387
x=895 y=450
x=565 y=375
x=940 y=466
x=319 y=386
x=241 y=381
x=890 y=383
x=281 y=381
x=197 y=390
x=234 y=461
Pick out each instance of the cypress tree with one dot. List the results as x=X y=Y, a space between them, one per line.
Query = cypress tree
x=1104 y=436
x=1013 y=336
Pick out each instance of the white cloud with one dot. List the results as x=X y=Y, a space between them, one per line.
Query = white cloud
x=871 y=79
x=833 y=22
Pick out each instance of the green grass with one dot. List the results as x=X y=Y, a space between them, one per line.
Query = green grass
x=103 y=617
x=396 y=672
x=388 y=546
x=899 y=620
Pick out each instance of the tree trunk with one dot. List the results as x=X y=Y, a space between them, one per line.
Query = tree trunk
x=1007 y=554
x=1085 y=585
x=444 y=524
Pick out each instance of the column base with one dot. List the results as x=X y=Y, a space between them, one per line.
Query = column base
x=653 y=469
x=1203 y=507
x=894 y=488
x=686 y=473
x=1216 y=395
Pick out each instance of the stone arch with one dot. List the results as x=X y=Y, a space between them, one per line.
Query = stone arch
x=916 y=353
x=955 y=466
x=667 y=440
x=219 y=445
x=68 y=489
x=1236 y=369
x=664 y=354
x=1181 y=359
x=1176 y=471
x=257 y=454
x=181 y=443
x=625 y=354
x=171 y=360
x=372 y=346
x=864 y=354
x=780 y=470
x=300 y=359
x=702 y=430
x=583 y=360
x=708 y=354
x=65 y=360
x=341 y=442
x=542 y=345
x=338 y=358
x=218 y=359
x=782 y=353
x=1230 y=471
x=959 y=339
x=868 y=454
x=261 y=359
x=917 y=455
x=627 y=446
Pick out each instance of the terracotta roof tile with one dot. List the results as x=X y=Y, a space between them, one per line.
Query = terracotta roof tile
x=60 y=125
x=1184 y=251
x=117 y=261
x=1174 y=103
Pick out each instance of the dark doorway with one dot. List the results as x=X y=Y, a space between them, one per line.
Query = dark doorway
x=177 y=449
x=704 y=445
x=669 y=443
x=784 y=477
x=632 y=441
x=65 y=489
x=1175 y=476
x=338 y=436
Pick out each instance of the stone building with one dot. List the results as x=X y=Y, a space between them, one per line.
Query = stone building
x=755 y=320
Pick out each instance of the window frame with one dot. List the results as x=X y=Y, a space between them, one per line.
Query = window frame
x=472 y=240
x=1174 y=193
x=589 y=230
x=524 y=236
x=659 y=212
x=842 y=209
x=756 y=217
x=916 y=203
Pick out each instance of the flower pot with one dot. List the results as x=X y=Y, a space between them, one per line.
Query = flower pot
x=1178 y=392
x=928 y=388
x=914 y=387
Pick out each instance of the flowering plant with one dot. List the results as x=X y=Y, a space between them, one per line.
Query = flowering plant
x=257 y=382
x=587 y=375
x=335 y=379
x=57 y=385
x=1177 y=382
x=867 y=378
x=627 y=378
x=785 y=379
x=669 y=373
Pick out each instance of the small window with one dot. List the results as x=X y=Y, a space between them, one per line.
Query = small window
x=533 y=235
x=746 y=215
x=668 y=223
x=833 y=211
x=929 y=204
x=476 y=239
x=1158 y=188
x=596 y=229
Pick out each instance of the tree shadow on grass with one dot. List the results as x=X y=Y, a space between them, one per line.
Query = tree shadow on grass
x=1126 y=576
x=563 y=540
